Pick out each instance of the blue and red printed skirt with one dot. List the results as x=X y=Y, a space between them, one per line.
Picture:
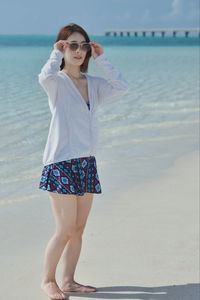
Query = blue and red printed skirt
x=73 y=176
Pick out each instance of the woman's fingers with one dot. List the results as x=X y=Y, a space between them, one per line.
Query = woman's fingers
x=61 y=45
x=95 y=45
x=62 y=42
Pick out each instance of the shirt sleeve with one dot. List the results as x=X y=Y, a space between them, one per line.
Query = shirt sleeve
x=113 y=85
x=48 y=77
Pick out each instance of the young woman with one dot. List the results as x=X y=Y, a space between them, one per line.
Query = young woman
x=70 y=171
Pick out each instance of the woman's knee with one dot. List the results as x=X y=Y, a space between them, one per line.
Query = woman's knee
x=65 y=234
x=79 y=230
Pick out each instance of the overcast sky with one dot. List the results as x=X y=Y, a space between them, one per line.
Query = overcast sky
x=95 y=16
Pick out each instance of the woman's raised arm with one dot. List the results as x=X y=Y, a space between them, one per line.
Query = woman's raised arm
x=113 y=85
x=48 y=75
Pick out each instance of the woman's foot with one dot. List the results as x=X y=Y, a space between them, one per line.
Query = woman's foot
x=52 y=290
x=77 y=287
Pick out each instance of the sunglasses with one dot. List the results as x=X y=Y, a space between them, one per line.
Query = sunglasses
x=84 y=46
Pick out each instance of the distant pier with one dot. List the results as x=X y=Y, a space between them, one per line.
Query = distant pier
x=153 y=32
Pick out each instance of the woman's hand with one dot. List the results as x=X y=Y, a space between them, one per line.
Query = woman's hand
x=61 y=45
x=96 y=49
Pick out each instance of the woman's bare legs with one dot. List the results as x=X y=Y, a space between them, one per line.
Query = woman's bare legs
x=72 y=249
x=65 y=212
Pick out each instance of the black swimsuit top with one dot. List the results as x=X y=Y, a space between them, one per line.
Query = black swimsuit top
x=88 y=104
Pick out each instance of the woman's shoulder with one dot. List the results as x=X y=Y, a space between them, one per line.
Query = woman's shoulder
x=94 y=78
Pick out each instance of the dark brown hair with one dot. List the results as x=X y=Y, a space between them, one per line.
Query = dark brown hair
x=64 y=33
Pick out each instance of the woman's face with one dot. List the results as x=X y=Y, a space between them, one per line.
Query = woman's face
x=69 y=55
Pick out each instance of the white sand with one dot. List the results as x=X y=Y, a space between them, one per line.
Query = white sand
x=142 y=244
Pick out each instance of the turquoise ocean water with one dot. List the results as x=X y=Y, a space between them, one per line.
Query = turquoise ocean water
x=141 y=133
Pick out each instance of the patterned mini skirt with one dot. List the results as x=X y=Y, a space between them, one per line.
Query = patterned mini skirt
x=73 y=176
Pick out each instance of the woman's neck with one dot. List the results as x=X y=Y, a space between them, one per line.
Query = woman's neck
x=73 y=72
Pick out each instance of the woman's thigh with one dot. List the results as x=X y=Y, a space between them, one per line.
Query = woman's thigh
x=64 y=208
x=84 y=204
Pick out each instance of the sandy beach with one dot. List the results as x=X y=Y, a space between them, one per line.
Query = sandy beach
x=139 y=244
x=142 y=236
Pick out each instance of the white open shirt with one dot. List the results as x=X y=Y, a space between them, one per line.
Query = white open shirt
x=73 y=130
